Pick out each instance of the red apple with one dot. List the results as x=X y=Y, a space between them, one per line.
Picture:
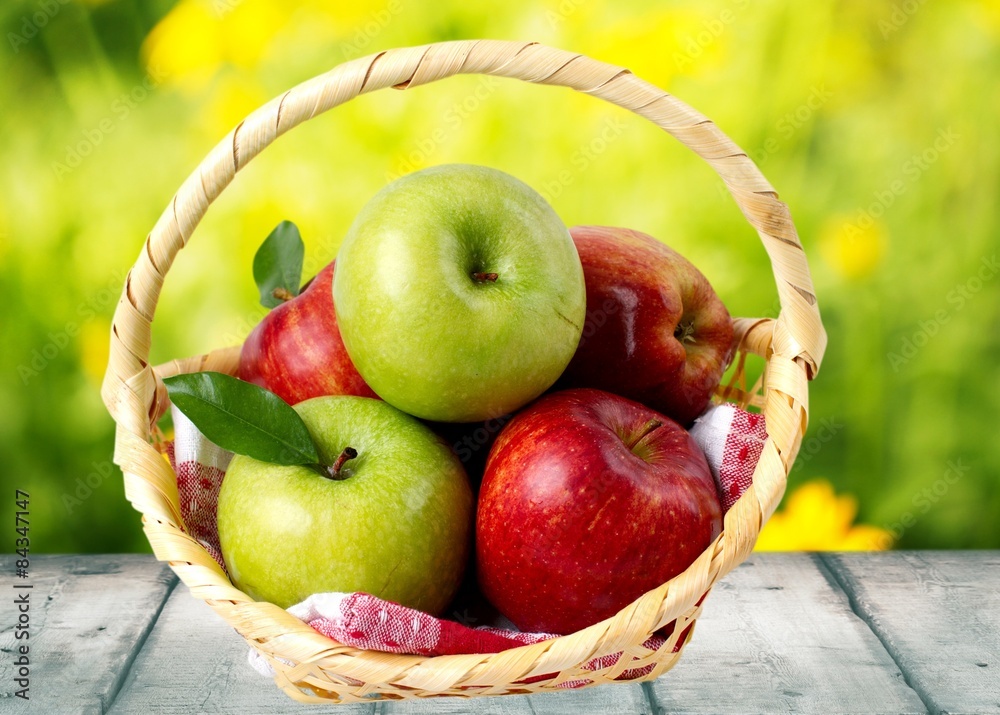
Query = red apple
x=655 y=332
x=588 y=501
x=296 y=351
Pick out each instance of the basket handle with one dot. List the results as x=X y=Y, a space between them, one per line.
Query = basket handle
x=798 y=339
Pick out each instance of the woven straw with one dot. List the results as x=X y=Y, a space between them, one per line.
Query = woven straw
x=311 y=667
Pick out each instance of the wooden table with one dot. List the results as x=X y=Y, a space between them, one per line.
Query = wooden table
x=903 y=632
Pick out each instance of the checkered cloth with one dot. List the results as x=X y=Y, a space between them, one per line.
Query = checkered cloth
x=364 y=621
x=731 y=438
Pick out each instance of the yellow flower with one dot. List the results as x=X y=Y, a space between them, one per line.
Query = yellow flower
x=185 y=44
x=854 y=248
x=816 y=519
x=659 y=45
x=247 y=30
x=197 y=37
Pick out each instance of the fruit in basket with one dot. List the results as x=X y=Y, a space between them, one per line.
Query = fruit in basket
x=655 y=331
x=588 y=501
x=296 y=351
x=394 y=520
x=459 y=293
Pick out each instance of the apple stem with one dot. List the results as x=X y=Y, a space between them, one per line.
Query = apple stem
x=685 y=332
x=282 y=294
x=484 y=277
x=333 y=472
x=646 y=429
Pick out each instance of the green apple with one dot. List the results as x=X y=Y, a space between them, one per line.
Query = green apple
x=394 y=521
x=459 y=293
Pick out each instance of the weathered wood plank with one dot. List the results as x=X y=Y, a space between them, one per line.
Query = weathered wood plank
x=777 y=636
x=623 y=699
x=938 y=614
x=89 y=616
x=193 y=662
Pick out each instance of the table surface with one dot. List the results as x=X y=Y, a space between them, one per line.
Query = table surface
x=898 y=632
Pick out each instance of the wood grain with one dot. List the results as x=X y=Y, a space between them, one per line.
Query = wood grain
x=938 y=614
x=624 y=699
x=900 y=632
x=89 y=618
x=194 y=663
x=777 y=636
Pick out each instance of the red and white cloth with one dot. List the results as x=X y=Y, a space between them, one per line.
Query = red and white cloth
x=200 y=466
x=731 y=438
x=364 y=621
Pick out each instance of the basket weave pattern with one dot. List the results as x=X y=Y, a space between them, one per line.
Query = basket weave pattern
x=323 y=670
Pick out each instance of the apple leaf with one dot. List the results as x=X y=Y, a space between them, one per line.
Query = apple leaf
x=277 y=266
x=243 y=418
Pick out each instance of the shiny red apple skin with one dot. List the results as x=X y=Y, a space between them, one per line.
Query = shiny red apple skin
x=296 y=351
x=573 y=525
x=638 y=292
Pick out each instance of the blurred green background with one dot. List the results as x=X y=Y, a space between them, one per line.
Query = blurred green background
x=876 y=122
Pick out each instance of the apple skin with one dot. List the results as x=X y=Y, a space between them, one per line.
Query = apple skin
x=296 y=351
x=573 y=525
x=398 y=526
x=426 y=333
x=640 y=295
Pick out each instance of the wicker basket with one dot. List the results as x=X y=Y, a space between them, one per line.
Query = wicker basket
x=311 y=667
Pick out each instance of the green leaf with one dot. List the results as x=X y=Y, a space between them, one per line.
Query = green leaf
x=277 y=266
x=243 y=418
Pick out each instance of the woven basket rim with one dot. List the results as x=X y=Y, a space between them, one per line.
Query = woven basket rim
x=322 y=670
